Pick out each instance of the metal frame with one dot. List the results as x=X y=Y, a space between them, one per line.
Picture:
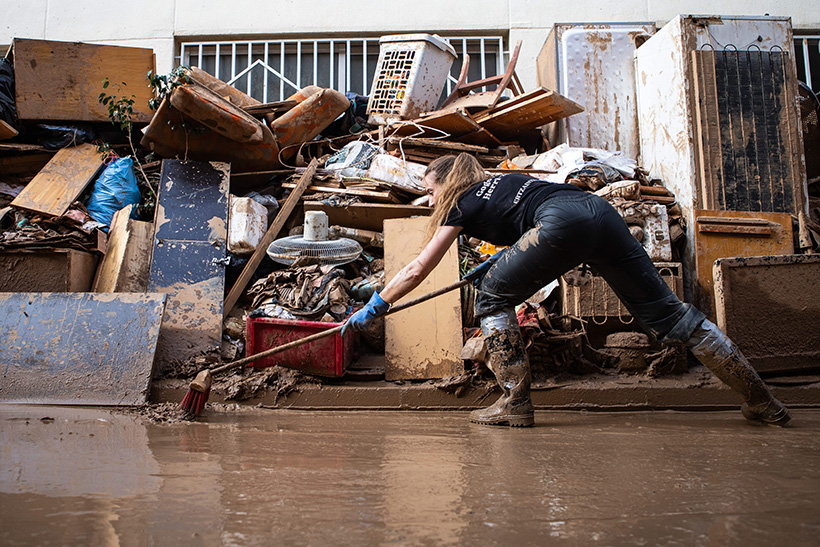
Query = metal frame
x=801 y=47
x=346 y=57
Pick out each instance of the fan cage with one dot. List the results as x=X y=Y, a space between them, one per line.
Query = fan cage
x=332 y=252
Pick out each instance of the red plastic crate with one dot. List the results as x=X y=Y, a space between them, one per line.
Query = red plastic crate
x=324 y=357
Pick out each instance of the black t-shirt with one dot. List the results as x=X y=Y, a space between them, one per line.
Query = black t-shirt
x=501 y=208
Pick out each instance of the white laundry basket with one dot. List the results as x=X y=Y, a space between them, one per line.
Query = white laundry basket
x=410 y=76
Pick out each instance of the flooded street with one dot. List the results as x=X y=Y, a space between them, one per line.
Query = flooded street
x=73 y=476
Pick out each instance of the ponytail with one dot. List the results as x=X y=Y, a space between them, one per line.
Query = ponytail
x=455 y=175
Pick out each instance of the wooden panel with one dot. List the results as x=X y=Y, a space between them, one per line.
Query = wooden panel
x=366 y=216
x=63 y=80
x=527 y=111
x=6 y=131
x=424 y=341
x=125 y=266
x=747 y=131
x=715 y=239
x=61 y=181
x=191 y=232
x=448 y=123
x=786 y=337
x=78 y=348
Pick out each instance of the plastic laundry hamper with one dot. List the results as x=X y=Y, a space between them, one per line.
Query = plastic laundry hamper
x=410 y=76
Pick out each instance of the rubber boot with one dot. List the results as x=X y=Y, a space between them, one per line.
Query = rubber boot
x=507 y=358
x=715 y=350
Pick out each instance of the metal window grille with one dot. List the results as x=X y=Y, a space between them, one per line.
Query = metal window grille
x=807 y=55
x=272 y=70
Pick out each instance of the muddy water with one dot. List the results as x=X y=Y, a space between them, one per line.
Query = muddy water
x=255 y=477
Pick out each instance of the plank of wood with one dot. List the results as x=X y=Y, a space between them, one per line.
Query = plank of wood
x=265 y=108
x=63 y=80
x=189 y=244
x=447 y=123
x=379 y=196
x=7 y=131
x=437 y=144
x=366 y=216
x=424 y=341
x=78 y=348
x=61 y=181
x=125 y=266
x=508 y=120
x=273 y=231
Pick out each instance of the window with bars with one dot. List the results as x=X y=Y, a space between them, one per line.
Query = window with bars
x=272 y=70
x=807 y=55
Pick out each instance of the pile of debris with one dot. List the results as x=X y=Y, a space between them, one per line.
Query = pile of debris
x=218 y=188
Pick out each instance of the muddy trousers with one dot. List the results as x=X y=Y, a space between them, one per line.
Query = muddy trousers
x=573 y=228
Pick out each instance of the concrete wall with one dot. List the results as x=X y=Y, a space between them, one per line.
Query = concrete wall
x=157 y=23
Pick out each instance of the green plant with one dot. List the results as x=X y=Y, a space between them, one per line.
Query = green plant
x=163 y=84
x=120 y=112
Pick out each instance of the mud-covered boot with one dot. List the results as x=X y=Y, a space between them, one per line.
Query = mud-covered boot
x=507 y=358
x=715 y=350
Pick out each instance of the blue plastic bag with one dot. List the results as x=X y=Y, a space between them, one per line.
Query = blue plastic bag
x=114 y=189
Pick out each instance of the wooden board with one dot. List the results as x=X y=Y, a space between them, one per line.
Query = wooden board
x=78 y=348
x=63 y=80
x=7 y=131
x=273 y=231
x=724 y=234
x=24 y=165
x=785 y=337
x=424 y=341
x=124 y=268
x=189 y=242
x=444 y=124
x=747 y=130
x=366 y=216
x=61 y=181
x=527 y=111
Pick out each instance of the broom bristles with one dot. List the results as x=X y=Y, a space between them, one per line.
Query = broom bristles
x=194 y=401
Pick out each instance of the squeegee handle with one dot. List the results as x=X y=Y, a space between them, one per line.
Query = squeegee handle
x=334 y=330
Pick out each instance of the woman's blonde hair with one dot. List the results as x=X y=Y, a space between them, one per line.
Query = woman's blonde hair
x=454 y=175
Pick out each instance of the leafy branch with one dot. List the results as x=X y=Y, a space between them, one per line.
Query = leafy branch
x=120 y=112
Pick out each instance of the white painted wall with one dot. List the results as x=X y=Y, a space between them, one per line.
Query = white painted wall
x=157 y=23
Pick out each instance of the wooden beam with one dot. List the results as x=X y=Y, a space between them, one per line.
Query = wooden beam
x=273 y=231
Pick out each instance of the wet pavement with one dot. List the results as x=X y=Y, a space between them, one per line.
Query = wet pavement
x=73 y=476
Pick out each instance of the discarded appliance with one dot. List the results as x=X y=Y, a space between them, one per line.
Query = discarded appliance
x=410 y=76
x=690 y=78
x=314 y=246
x=78 y=348
x=593 y=65
x=589 y=296
x=770 y=307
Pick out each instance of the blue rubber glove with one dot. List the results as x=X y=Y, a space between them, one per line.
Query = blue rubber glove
x=477 y=273
x=360 y=320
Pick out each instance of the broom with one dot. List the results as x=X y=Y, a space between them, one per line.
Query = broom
x=200 y=388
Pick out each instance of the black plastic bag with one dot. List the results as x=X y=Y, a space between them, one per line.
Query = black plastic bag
x=55 y=137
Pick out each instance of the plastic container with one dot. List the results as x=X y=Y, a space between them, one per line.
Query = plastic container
x=246 y=226
x=327 y=356
x=406 y=174
x=410 y=76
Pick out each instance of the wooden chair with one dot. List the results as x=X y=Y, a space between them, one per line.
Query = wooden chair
x=461 y=96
